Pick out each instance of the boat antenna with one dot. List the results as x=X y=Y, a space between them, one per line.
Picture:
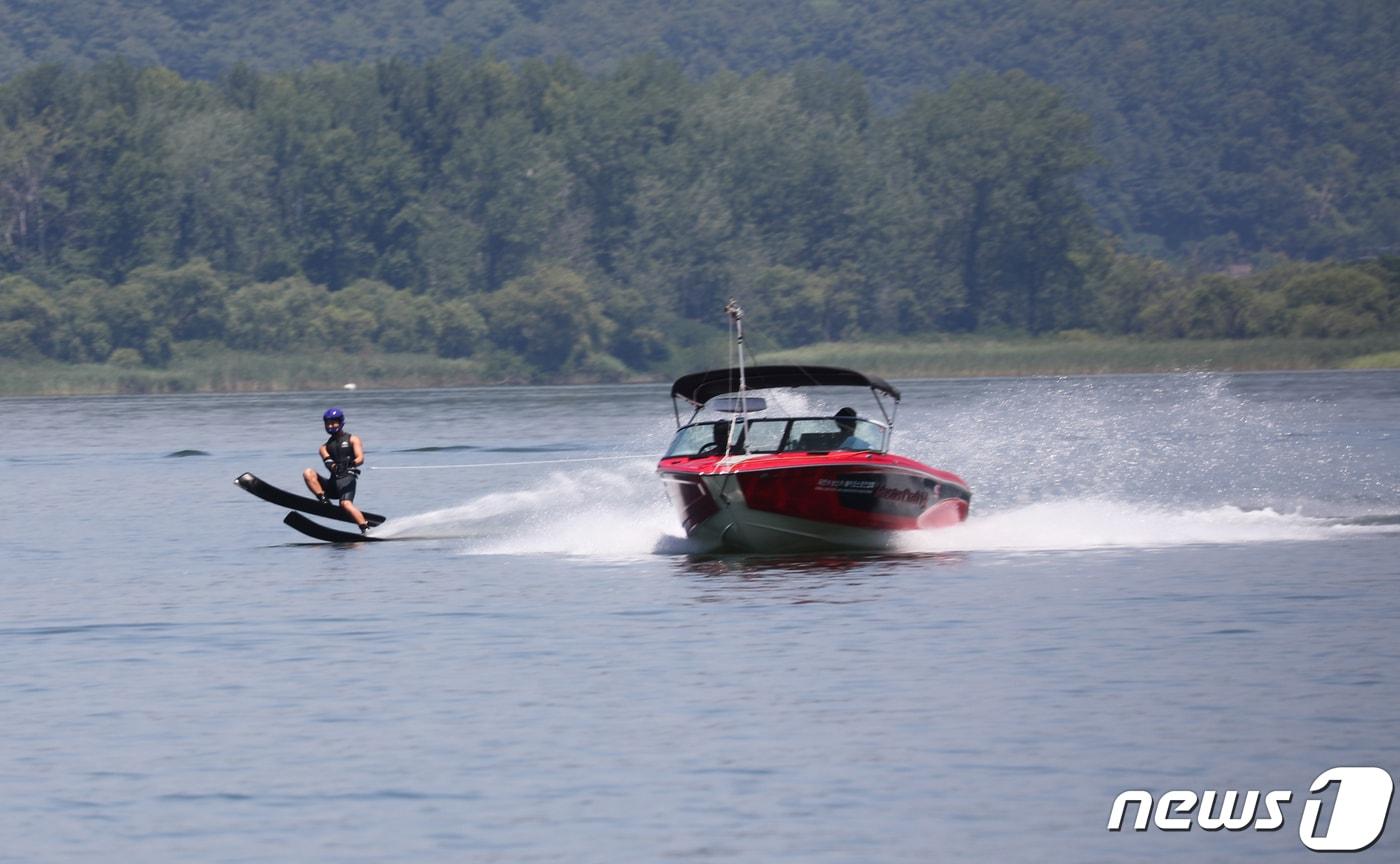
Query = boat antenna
x=736 y=318
x=736 y=315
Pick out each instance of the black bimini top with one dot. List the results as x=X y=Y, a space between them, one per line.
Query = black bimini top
x=697 y=388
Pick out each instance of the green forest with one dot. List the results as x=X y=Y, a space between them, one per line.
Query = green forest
x=497 y=181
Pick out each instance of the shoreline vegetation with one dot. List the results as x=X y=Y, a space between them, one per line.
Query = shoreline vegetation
x=1061 y=191
x=219 y=370
x=543 y=223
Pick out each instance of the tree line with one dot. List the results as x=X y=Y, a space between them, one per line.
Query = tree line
x=1227 y=130
x=577 y=221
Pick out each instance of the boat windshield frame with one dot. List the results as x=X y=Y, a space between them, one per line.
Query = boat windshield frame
x=819 y=439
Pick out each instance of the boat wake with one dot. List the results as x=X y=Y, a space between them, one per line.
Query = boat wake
x=1082 y=524
x=615 y=513
x=621 y=514
x=1103 y=464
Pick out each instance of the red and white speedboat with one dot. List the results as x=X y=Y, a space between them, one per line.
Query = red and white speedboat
x=755 y=482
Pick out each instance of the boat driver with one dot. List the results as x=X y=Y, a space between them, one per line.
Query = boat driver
x=846 y=423
x=342 y=454
x=720 y=441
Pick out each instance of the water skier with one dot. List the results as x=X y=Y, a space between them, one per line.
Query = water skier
x=342 y=454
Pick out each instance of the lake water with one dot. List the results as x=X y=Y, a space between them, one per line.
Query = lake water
x=1167 y=582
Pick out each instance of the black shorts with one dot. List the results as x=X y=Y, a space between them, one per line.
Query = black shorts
x=342 y=488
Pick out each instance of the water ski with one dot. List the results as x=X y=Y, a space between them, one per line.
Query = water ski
x=282 y=498
x=298 y=522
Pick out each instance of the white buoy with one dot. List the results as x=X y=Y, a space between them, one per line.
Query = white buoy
x=350 y=386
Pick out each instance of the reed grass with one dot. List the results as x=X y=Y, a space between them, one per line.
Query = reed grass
x=226 y=371
x=213 y=369
x=1092 y=355
x=1380 y=360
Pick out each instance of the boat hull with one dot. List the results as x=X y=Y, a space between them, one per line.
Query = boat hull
x=800 y=503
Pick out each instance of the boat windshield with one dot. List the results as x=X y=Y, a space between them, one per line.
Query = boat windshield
x=780 y=435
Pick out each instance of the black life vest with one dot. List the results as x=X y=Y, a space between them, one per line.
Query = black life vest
x=342 y=451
